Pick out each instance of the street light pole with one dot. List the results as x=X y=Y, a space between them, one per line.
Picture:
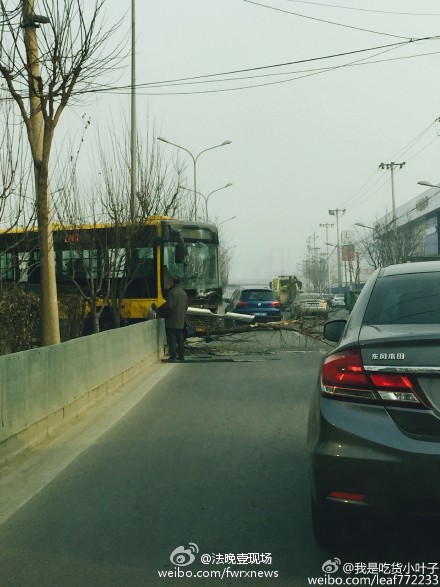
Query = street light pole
x=338 y=213
x=209 y=195
x=206 y=198
x=327 y=226
x=364 y=225
x=194 y=158
x=428 y=184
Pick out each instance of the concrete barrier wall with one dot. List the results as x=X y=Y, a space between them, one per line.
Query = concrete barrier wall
x=42 y=388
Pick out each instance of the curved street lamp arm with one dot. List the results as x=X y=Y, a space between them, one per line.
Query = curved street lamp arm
x=194 y=162
x=175 y=145
x=210 y=148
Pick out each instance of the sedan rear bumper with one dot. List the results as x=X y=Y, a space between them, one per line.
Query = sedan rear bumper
x=358 y=449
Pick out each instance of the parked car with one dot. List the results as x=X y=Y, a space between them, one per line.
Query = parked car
x=329 y=297
x=259 y=302
x=374 y=421
x=338 y=301
x=309 y=304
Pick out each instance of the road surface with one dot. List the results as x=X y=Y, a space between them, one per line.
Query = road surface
x=212 y=459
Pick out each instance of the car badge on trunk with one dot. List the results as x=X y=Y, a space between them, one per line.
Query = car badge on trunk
x=388 y=356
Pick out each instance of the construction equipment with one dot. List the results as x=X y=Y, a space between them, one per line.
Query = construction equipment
x=286 y=288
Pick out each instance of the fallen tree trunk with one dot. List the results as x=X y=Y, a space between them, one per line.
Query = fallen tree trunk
x=289 y=325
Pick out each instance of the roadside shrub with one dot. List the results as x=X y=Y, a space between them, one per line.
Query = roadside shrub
x=19 y=319
x=72 y=318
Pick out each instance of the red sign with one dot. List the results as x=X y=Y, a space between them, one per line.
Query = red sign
x=72 y=237
x=348 y=253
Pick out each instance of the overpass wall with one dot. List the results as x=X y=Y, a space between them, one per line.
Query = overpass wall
x=42 y=389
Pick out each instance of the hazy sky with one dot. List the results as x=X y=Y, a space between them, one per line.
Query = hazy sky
x=306 y=136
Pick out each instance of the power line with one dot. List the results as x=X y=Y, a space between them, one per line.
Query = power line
x=324 y=21
x=364 y=9
x=306 y=73
x=428 y=198
x=206 y=78
x=361 y=196
x=423 y=148
x=405 y=149
x=284 y=64
x=276 y=74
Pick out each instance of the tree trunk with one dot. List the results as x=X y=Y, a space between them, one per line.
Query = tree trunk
x=95 y=317
x=116 y=311
x=50 y=327
x=40 y=139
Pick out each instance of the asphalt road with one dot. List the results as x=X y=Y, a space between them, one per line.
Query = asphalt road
x=212 y=459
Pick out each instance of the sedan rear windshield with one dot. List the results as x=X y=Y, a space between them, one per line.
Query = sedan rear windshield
x=310 y=296
x=257 y=295
x=412 y=298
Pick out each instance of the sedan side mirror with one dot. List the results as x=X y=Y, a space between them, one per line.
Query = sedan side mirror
x=333 y=330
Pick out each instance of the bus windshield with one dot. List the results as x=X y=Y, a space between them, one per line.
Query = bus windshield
x=199 y=269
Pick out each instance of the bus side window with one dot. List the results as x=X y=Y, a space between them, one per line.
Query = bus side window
x=138 y=262
x=70 y=263
x=23 y=265
x=7 y=267
x=116 y=263
x=33 y=271
x=150 y=273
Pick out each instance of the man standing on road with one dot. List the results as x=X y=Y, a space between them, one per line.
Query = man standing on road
x=174 y=311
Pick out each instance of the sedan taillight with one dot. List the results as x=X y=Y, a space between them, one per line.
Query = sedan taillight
x=240 y=304
x=343 y=375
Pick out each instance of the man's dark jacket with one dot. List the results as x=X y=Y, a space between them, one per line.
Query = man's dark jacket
x=175 y=307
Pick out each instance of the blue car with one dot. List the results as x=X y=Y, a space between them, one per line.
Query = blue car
x=259 y=302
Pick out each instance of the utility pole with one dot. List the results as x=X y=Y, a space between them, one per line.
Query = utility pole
x=327 y=226
x=338 y=213
x=391 y=166
x=50 y=329
x=133 y=172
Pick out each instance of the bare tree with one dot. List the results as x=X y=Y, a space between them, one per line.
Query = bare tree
x=387 y=243
x=104 y=262
x=15 y=207
x=65 y=62
x=159 y=181
x=225 y=251
x=315 y=268
x=225 y=260
x=354 y=266
x=81 y=269
x=158 y=194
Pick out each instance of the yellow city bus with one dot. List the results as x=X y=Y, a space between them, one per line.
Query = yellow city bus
x=136 y=261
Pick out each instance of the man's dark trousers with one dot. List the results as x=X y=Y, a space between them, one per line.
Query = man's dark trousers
x=176 y=343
